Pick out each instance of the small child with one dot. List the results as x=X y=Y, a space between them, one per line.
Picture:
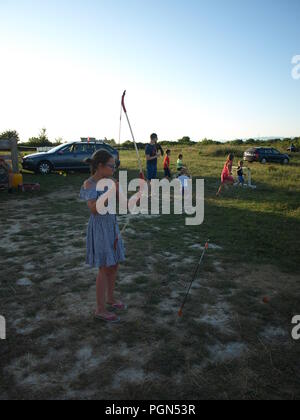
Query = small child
x=167 y=165
x=226 y=177
x=180 y=164
x=105 y=248
x=240 y=173
x=183 y=178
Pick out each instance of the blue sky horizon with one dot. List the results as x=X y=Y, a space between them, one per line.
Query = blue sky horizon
x=197 y=68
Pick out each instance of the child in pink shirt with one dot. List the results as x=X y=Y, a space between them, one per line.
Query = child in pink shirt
x=226 y=177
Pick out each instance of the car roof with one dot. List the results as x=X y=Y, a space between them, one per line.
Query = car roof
x=264 y=148
x=100 y=143
x=90 y=142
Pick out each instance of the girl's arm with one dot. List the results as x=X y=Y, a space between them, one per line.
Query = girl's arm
x=92 y=207
x=91 y=203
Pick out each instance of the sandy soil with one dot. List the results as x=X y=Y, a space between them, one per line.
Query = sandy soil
x=222 y=347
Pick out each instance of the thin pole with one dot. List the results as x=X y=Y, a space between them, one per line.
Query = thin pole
x=120 y=125
x=180 y=313
x=142 y=176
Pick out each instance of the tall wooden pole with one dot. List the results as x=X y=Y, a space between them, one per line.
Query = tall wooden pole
x=14 y=155
x=11 y=146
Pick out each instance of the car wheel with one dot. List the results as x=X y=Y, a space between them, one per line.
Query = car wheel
x=264 y=161
x=45 y=168
x=285 y=161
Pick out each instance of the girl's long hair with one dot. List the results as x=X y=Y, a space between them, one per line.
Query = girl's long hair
x=99 y=157
x=230 y=158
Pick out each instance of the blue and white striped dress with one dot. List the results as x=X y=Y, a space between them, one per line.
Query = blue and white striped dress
x=105 y=247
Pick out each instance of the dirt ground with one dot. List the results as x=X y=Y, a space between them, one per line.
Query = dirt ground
x=229 y=343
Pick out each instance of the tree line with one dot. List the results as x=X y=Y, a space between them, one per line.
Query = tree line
x=42 y=140
x=186 y=141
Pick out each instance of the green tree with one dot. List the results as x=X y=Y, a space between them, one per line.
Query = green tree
x=185 y=140
x=237 y=142
x=167 y=143
x=58 y=141
x=127 y=145
x=41 y=141
x=111 y=142
x=207 y=142
x=250 y=141
x=7 y=135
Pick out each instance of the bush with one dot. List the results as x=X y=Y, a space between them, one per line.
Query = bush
x=225 y=151
x=236 y=142
x=168 y=143
x=207 y=142
x=186 y=141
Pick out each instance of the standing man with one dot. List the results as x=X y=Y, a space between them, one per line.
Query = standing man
x=151 y=157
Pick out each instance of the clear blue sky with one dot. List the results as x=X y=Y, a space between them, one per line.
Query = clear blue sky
x=216 y=69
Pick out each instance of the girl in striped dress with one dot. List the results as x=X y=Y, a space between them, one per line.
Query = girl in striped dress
x=105 y=248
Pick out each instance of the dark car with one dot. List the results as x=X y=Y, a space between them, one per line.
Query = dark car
x=265 y=155
x=66 y=157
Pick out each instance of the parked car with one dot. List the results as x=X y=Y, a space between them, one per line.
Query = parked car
x=66 y=157
x=265 y=155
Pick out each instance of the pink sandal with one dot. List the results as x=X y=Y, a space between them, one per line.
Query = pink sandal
x=120 y=306
x=111 y=318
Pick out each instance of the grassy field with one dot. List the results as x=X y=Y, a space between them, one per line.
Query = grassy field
x=228 y=345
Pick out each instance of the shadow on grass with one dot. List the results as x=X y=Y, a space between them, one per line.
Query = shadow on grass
x=252 y=236
x=260 y=234
x=264 y=233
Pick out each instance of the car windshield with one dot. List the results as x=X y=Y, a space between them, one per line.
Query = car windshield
x=55 y=149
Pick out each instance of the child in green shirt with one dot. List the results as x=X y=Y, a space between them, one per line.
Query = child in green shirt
x=180 y=164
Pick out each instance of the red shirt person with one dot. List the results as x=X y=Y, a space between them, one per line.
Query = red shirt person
x=167 y=164
x=226 y=177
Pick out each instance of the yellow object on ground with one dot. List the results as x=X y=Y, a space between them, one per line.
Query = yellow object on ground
x=17 y=180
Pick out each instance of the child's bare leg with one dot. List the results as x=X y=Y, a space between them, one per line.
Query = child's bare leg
x=111 y=275
x=220 y=190
x=101 y=288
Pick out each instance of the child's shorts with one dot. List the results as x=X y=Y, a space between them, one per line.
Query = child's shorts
x=167 y=173
x=151 y=173
x=241 y=180
x=227 y=180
